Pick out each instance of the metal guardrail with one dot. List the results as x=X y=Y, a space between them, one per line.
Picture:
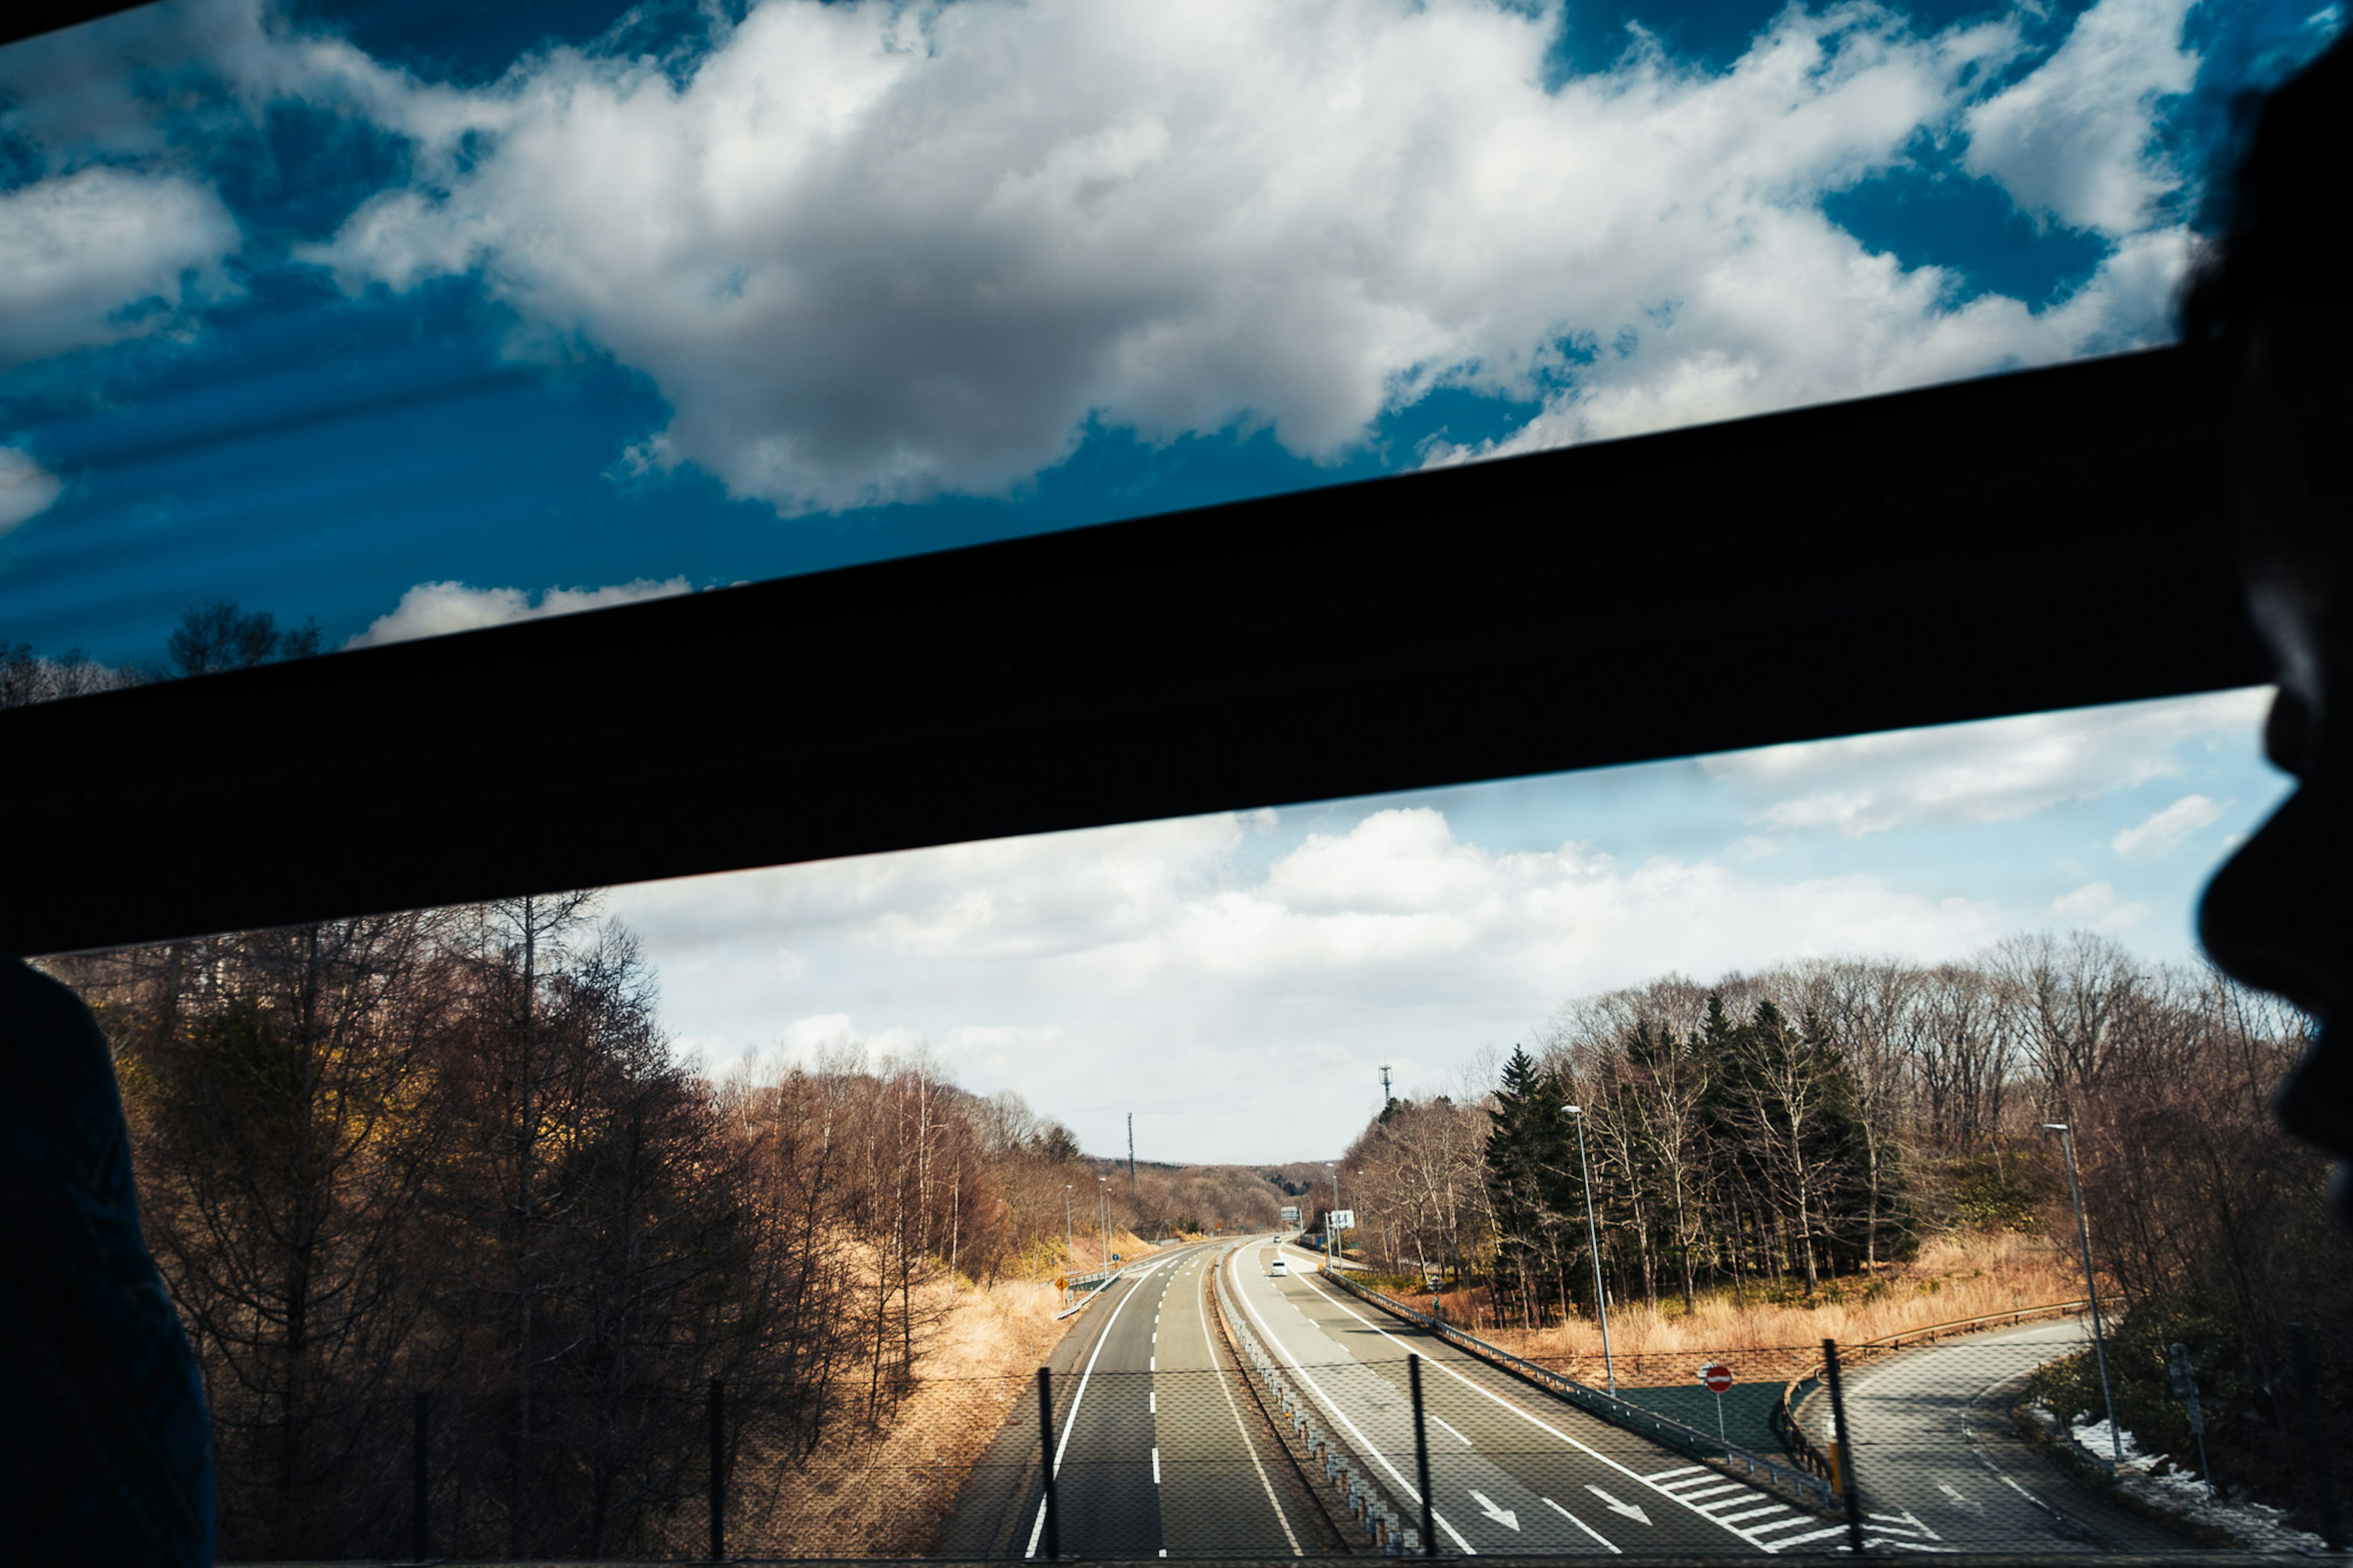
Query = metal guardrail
x=1797 y=1484
x=1785 y=1416
x=1370 y=1505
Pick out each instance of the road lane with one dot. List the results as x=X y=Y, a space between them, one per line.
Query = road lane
x=1522 y=1473
x=1217 y=1498
x=1934 y=1446
x=1154 y=1454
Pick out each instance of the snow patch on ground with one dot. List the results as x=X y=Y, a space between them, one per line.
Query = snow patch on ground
x=2154 y=1480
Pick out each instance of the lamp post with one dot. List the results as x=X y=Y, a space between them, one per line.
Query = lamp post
x=1103 y=1202
x=1069 y=1236
x=1331 y=1232
x=2091 y=1287
x=1593 y=1243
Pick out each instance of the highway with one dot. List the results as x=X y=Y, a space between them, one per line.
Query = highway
x=1160 y=1450
x=1511 y=1469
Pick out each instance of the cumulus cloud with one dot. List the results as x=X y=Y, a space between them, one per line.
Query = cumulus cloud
x=1996 y=771
x=2095 y=904
x=2074 y=139
x=438 y=609
x=106 y=254
x=2166 y=830
x=866 y=261
x=26 y=489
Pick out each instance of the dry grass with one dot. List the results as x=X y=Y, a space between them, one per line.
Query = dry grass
x=886 y=1491
x=1961 y=1275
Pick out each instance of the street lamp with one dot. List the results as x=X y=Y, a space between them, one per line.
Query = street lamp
x=1331 y=1231
x=1103 y=1202
x=1593 y=1244
x=1069 y=1236
x=2091 y=1285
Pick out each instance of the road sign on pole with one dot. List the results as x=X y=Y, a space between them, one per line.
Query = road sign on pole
x=1718 y=1379
x=1344 y=1219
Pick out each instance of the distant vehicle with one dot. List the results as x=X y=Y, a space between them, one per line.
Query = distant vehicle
x=1278 y=1270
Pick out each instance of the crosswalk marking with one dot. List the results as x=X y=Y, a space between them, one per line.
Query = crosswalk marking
x=1767 y=1523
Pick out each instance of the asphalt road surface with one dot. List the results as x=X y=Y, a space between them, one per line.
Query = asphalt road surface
x=1936 y=1452
x=1511 y=1469
x=1160 y=1450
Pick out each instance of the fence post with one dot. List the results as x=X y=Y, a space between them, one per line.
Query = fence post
x=1046 y=1458
x=417 y=1502
x=2316 y=1442
x=1845 y=1466
x=1421 y=1459
x=718 y=1468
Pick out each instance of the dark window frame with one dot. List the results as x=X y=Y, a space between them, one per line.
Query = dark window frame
x=2043 y=539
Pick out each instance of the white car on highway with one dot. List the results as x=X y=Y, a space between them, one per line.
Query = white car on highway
x=1277 y=1269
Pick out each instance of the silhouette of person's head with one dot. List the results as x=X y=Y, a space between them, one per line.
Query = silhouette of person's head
x=2271 y=306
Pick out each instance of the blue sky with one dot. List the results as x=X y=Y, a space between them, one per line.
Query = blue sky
x=402 y=315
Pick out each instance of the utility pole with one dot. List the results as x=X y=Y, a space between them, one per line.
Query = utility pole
x=1069 y=1236
x=2091 y=1287
x=1103 y=1202
x=1130 y=1153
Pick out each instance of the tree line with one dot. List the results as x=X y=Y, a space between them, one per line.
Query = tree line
x=211 y=638
x=454 y=1151
x=1769 y=1133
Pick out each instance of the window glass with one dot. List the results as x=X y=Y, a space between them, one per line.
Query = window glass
x=484 y=1219
x=387 y=320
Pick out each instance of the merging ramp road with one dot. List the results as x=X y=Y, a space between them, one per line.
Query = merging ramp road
x=1934 y=1446
x=1160 y=1449
x=1511 y=1469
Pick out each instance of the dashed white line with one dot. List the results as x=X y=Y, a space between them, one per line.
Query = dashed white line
x=1461 y=1439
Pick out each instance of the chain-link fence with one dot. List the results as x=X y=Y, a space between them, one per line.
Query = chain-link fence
x=1289 y=1427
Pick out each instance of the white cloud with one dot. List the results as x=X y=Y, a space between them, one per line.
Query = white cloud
x=2166 y=830
x=438 y=609
x=26 y=489
x=2074 y=139
x=106 y=254
x=2095 y=904
x=865 y=258
x=1997 y=771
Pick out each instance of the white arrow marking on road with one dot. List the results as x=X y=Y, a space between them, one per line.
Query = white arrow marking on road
x=1948 y=1491
x=1508 y=1518
x=1630 y=1509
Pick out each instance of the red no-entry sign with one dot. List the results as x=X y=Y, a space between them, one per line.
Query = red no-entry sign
x=1718 y=1377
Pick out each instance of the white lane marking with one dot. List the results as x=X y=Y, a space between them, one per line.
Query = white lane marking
x=1243 y=1432
x=1947 y=1488
x=1625 y=1509
x=1509 y=1518
x=1752 y=1513
x=1155 y=1466
x=1583 y=1526
x=1458 y=1437
x=1694 y=1494
x=1362 y=1446
x=1686 y=1470
x=1523 y=1414
x=1152 y=1403
x=1817 y=1535
x=1071 y=1420
x=1795 y=1518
